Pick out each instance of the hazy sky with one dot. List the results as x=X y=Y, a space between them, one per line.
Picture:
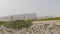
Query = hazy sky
x=41 y=7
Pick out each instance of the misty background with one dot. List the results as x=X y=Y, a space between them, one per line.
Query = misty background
x=41 y=7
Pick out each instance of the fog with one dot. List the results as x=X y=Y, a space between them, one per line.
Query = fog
x=41 y=7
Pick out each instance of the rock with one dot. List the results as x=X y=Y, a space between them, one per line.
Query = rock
x=43 y=27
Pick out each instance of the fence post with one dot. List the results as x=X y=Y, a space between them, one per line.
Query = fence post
x=24 y=16
x=11 y=19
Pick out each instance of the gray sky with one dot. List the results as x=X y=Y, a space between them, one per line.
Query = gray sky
x=41 y=7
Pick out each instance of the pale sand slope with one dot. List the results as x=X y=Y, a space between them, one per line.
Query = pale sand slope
x=38 y=27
